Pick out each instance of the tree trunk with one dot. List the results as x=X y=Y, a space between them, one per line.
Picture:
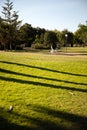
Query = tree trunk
x=10 y=46
x=71 y=44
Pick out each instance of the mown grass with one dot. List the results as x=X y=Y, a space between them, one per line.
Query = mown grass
x=78 y=49
x=47 y=92
x=82 y=50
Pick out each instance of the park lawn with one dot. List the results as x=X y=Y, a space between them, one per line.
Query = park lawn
x=82 y=50
x=47 y=92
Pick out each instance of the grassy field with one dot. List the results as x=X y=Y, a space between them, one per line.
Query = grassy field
x=75 y=49
x=47 y=92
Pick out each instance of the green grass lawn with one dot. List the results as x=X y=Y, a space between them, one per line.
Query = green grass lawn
x=47 y=92
x=81 y=50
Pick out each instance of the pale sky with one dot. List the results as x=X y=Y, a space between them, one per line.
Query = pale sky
x=51 y=14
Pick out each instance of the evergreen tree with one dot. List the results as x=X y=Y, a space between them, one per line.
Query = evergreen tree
x=11 y=22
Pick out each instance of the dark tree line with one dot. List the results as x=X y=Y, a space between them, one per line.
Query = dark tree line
x=9 y=26
x=13 y=35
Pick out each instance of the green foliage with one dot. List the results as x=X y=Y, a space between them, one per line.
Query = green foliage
x=46 y=40
x=39 y=42
x=81 y=34
x=12 y=24
x=4 y=33
x=36 y=44
x=36 y=41
x=62 y=37
x=41 y=39
x=12 y=34
x=50 y=38
x=69 y=40
x=27 y=34
x=7 y=11
x=39 y=46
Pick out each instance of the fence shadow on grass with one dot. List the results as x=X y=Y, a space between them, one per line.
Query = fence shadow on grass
x=6 y=125
x=78 y=122
x=42 y=68
x=41 y=84
x=45 y=122
x=37 y=123
x=34 y=76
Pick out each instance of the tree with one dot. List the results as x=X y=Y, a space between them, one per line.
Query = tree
x=3 y=34
x=63 y=38
x=50 y=39
x=41 y=39
x=11 y=22
x=81 y=34
x=28 y=34
x=59 y=37
x=69 y=40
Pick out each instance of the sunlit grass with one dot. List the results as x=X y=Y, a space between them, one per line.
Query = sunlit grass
x=46 y=91
x=75 y=49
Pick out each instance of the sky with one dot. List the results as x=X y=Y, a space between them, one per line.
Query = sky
x=51 y=14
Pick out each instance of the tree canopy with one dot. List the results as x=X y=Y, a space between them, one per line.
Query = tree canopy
x=12 y=33
x=10 y=25
x=81 y=33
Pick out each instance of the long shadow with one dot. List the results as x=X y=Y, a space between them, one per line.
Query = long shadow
x=45 y=123
x=61 y=114
x=42 y=124
x=33 y=76
x=41 y=84
x=42 y=68
x=37 y=123
x=6 y=125
x=79 y=121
